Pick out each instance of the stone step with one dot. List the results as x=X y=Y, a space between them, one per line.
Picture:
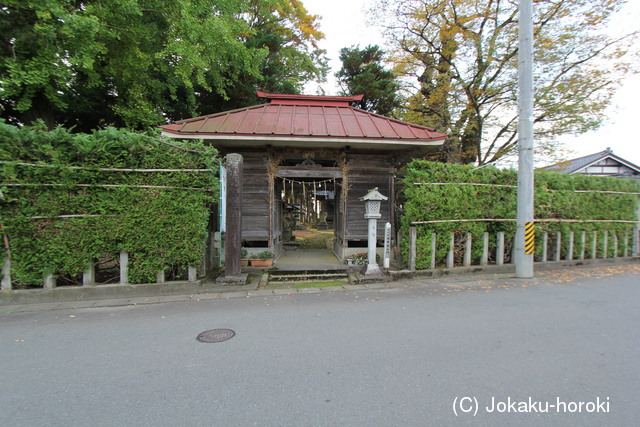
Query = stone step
x=308 y=276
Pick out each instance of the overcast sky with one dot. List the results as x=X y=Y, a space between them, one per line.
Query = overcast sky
x=344 y=24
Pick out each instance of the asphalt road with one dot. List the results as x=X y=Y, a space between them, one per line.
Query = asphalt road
x=412 y=356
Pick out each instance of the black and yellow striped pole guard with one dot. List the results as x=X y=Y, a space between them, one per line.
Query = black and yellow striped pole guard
x=529 y=238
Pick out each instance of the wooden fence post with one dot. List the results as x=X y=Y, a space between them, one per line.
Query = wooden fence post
x=433 y=250
x=594 y=245
x=50 y=281
x=583 y=244
x=500 y=248
x=413 y=237
x=450 y=253
x=556 y=256
x=397 y=250
x=124 y=268
x=485 y=249
x=545 y=245
x=569 y=256
x=89 y=275
x=467 y=250
x=605 y=243
x=193 y=273
x=6 y=275
x=635 y=239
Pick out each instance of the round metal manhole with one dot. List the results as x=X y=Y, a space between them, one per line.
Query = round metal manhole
x=216 y=335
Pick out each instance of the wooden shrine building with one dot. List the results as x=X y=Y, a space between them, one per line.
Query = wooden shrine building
x=309 y=159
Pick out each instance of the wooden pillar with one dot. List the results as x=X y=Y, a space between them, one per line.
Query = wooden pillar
x=233 y=241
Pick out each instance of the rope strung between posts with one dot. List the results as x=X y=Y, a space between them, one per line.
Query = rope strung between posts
x=104 y=169
x=513 y=220
x=515 y=186
x=107 y=186
x=307 y=182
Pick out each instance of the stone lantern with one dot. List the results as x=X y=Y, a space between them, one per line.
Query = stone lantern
x=372 y=201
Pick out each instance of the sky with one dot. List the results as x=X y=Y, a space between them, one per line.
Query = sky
x=344 y=23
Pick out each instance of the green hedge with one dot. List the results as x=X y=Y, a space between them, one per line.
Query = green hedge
x=555 y=197
x=159 y=227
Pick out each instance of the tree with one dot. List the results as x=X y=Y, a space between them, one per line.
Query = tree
x=363 y=73
x=135 y=64
x=289 y=35
x=461 y=56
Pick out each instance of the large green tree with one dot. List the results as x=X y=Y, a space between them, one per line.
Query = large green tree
x=133 y=63
x=290 y=35
x=461 y=58
x=363 y=73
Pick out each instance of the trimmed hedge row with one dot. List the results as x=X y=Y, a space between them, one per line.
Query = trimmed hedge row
x=159 y=227
x=555 y=198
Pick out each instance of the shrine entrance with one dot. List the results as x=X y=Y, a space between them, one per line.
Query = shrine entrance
x=307 y=160
x=308 y=198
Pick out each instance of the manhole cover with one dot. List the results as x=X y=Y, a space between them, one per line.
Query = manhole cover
x=215 y=335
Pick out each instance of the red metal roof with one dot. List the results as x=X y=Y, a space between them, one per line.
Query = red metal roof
x=307 y=116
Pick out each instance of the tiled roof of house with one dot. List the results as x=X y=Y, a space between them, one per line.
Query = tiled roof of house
x=575 y=165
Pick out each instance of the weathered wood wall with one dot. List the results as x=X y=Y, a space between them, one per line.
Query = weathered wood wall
x=359 y=185
x=255 y=206
x=262 y=204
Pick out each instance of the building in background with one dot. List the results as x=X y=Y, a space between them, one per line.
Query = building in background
x=604 y=163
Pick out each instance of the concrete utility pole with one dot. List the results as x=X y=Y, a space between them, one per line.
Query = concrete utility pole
x=524 y=232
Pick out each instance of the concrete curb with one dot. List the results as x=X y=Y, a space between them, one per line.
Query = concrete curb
x=122 y=295
x=120 y=291
x=506 y=268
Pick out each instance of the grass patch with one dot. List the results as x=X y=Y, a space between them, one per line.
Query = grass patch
x=314 y=239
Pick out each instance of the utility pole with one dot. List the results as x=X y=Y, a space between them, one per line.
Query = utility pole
x=524 y=231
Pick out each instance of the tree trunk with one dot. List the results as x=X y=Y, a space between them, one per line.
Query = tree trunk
x=41 y=109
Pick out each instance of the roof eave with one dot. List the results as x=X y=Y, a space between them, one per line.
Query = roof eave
x=321 y=138
x=277 y=140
